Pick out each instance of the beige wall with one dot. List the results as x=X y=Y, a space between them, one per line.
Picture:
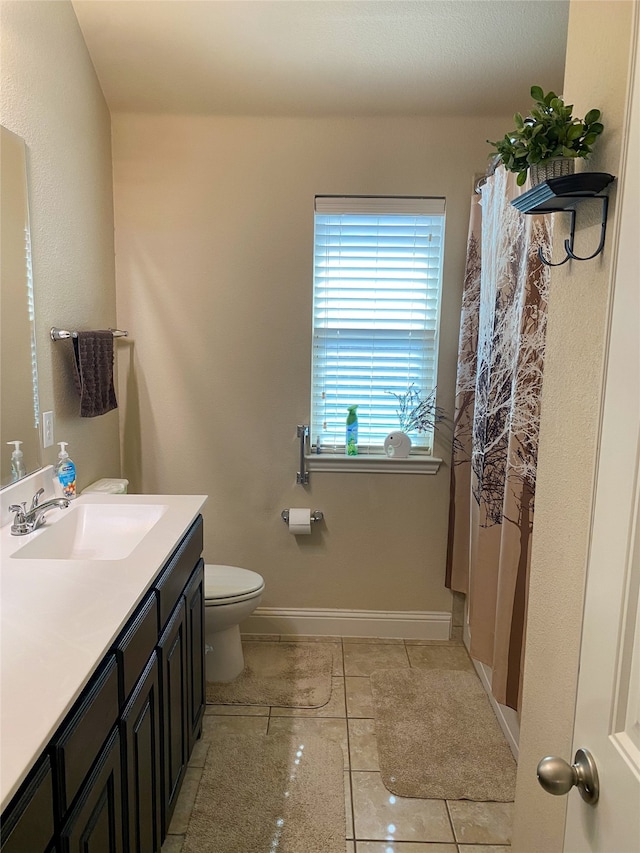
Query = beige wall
x=596 y=76
x=214 y=237
x=49 y=95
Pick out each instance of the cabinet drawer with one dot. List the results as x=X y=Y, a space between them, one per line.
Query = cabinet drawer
x=134 y=648
x=28 y=825
x=81 y=740
x=172 y=581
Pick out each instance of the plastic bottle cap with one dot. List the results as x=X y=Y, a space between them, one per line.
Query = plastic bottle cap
x=16 y=452
x=63 y=452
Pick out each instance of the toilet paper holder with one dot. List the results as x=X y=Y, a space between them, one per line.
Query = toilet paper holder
x=316 y=515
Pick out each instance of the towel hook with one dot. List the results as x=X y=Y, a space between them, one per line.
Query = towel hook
x=569 y=241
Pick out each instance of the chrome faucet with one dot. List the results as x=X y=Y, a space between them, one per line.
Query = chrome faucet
x=28 y=521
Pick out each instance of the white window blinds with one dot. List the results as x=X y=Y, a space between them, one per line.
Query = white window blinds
x=377 y=283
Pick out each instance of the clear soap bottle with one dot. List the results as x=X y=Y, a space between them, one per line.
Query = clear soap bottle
x=18 y=471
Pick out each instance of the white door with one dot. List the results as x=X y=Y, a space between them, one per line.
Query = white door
x=607 y=719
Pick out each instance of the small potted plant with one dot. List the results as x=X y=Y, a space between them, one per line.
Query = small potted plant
x=548 y=141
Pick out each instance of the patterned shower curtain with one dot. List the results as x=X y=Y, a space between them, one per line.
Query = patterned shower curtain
x=500 y=363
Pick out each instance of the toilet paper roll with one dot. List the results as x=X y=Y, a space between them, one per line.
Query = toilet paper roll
x=300 y=521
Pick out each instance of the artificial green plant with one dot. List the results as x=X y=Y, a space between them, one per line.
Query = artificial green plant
x=549 y=131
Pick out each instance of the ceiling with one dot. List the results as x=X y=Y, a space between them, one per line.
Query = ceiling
x=324 y=57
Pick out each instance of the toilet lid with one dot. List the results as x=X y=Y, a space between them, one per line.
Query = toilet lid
x=230 y=582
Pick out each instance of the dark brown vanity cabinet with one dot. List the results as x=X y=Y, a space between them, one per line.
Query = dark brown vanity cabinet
x=172 y=652
x=142 y=771
x=109 y=779
x=29 y=825
x=96 y=821
x=196 y=684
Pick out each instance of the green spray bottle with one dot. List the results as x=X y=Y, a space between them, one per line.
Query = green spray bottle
x=351 y=443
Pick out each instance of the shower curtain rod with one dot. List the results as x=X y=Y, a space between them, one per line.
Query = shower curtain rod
x=481 y=181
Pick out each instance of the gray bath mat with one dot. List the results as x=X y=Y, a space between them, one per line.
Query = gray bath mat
x=269 y=792
x=439 y=738
x=288 y=675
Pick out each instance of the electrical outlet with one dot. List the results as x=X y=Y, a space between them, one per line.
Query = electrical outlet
x=47 y=429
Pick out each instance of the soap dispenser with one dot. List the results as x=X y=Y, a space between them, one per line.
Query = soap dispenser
x=18 y=471
x=65 y=472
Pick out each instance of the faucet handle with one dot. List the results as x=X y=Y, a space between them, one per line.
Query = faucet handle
x=36 y=498
x=19 y=526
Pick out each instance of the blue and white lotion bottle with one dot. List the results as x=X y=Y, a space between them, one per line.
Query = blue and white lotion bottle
x=65 y=472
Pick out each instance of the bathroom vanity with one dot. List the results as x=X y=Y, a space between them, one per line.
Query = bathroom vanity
x=103 y=688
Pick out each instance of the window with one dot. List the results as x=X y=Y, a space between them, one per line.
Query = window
x=377 y=284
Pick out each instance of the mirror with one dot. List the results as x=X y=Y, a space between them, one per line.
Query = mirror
x=19 y=407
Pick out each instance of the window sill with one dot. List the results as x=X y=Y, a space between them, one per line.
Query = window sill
x=369 y=464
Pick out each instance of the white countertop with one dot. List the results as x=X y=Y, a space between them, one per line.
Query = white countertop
x=58 y=618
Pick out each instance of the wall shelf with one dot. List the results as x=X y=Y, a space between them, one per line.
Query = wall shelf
x=563 y=195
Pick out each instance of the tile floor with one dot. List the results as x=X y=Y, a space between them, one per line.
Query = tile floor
x=377 y=821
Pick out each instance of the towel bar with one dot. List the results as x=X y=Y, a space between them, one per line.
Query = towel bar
x=302 y=476
x=62 y=334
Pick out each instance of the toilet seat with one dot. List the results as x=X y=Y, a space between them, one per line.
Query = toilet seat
x=230 y=584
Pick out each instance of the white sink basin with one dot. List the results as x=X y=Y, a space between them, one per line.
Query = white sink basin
x=93 y=531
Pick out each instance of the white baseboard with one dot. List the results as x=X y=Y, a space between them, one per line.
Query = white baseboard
x=507 y=717
x=408 y=625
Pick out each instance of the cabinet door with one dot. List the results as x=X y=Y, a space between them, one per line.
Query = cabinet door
x=142 y=748
x=194 y=595
x=172 y=653
x=95 y=824
x=28 y=824
x=85 y=731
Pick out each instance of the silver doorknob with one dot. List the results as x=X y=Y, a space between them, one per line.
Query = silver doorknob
x=557 y=777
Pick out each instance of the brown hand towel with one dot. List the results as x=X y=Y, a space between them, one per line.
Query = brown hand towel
x=94 y=368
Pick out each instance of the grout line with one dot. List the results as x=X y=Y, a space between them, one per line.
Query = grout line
x=453 y=831
x=346 y=713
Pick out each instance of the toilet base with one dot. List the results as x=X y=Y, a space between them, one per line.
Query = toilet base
x=224 y=659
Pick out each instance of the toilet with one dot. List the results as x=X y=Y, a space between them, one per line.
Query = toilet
x=231 y=594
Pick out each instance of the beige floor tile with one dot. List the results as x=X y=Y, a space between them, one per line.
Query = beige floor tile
x=199 y=753
x=363 y=748
x=335 y=707
x=404 y=847
x=350 y=848
x=186 y=799
x=309 y=638
x=456 y=640
x=331 y=728
x=481 y=823
x=173 y=844
x=213 y=724
x=379 y=815
x=258 y=638
x=375 y=641
x=347 y=804
x=440 y=657
x=457 y=609
x=476 y=848
x=359 y=698
x=363 y=659
x=238 y=710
